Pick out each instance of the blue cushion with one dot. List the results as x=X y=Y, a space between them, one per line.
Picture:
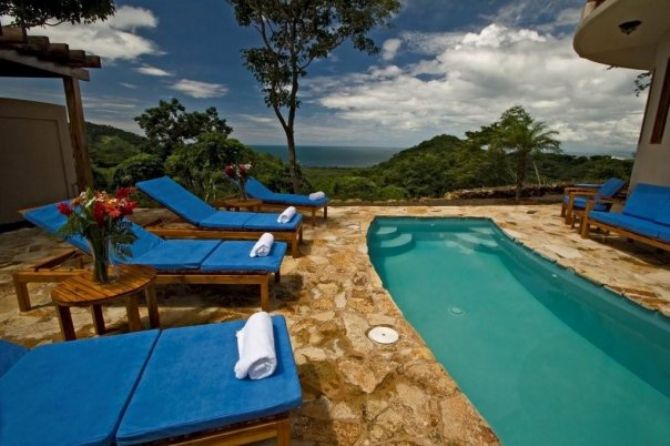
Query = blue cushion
x=9 y=354
x=51 y=220
x=72 y=393
x=179 y=200
x=227 y=220
x=664 y=233
x=663 y=216
x=633 y=224
x=256 y=189
x=268 y=222
x=646 y=201
x=611 y=187
x=189 y=386
x=234 y=257
x=177 y=254
x=298 y=200
x=580 y=203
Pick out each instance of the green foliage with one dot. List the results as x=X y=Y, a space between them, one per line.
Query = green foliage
x=29 y=13
x=199 y=166
x=293 y=35
x=518 y=134
x=143 y=166
x=169 y=126
x=109 y=146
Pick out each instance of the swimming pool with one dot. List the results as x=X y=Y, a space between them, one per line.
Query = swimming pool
x=546 y=356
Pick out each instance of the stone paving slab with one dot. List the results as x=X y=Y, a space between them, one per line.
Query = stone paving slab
x=355 y=392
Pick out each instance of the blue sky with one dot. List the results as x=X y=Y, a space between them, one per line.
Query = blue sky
x=445 y=67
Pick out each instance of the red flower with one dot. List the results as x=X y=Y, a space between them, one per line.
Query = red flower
x=229 y=170
x=99 y=213
x=64 y=209
x=127 y=207
x=124 y=192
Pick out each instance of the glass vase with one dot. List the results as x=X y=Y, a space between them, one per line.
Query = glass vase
x=100 y=252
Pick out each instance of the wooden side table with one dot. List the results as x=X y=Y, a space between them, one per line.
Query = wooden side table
x=250 y=204
x=127 y=282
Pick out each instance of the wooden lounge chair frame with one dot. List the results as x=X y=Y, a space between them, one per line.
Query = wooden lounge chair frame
x=52 y=270
x=183 y=229
x=278 y=427
x=586 y=224
x=568 y=211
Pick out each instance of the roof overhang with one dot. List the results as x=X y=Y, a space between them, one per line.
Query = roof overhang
x=22 y=55
x=600 y=38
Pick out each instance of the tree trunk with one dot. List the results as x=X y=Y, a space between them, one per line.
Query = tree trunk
x=292 y=160
x=521 y=168
x=537 y=174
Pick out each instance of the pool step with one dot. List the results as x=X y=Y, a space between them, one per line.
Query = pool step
x=396 y=245
x=476 y=241
x=386 y=232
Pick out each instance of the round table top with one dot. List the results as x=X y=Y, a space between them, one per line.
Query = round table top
x=240 y=202
x=83 y=290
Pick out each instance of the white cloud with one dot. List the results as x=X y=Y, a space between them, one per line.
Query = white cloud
x=257 y=119
x=113 y=39
x=464 y=80
x=152 y=71
x=128 y=85
x=198 y=89
x=390 y=48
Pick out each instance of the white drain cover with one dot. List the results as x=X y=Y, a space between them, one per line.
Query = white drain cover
x=382 y=334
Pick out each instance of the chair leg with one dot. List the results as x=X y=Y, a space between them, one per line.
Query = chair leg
x=563 y=210
x=22 y=295
x=585 y=227
x=325 y=212
x=265 y=292
x=284 y=433
x=277 y=277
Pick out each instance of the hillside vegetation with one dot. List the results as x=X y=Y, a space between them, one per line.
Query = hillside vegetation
x=194 y=147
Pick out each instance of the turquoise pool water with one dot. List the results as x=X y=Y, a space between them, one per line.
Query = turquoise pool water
x=546 y=356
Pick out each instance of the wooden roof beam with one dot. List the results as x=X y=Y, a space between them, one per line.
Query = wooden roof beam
x=44 y=65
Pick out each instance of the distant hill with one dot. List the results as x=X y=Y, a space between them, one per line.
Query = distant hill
x=109 y=146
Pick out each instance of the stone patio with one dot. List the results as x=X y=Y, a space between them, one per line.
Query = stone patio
x=355 y=391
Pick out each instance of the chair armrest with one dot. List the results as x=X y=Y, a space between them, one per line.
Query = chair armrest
x=582 y=193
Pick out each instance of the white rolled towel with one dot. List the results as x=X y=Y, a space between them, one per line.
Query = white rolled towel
x=263 y=246
x=256 y=347
x=287 y=215
x=314 y=196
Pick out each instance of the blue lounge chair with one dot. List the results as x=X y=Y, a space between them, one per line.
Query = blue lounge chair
x=166 y=386
x=208 y=223
x=256 y=189
x=575 y=198
x=645 y=217
x=176 y=261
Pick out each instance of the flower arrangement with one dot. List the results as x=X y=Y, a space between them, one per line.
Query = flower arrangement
x=238 y=174
x=100 y=218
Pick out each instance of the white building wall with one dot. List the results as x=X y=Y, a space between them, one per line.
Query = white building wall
x=652 y=161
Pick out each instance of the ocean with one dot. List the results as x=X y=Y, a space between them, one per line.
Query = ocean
x=333 y=156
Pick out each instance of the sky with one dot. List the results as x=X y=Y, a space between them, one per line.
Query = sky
x=444 y=66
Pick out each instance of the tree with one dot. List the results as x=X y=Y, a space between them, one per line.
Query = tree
x=29 y=13
x=199 y=166
x=143 y=166
x=520 y=135
x=169 y=126
x=294 y=34
x=642 y=82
